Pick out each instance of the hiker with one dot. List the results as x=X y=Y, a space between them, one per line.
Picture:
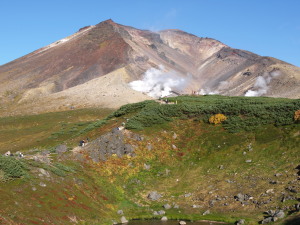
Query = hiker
x=82 y=143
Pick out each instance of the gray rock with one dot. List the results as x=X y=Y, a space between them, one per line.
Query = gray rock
x=149 y=147
x=177 y=206
x=221 y=167
x=155 y=213
x=164 y=218
x=206 y=212
x=42 y=184
x=297 y=207
x=267 y=220
x=167 y=206
x=154 y=196
x=182 y=223
x=124 y=220
x=108 y=144
x=44 y=172
x=174 y=147
x=240 y=222
x=146 y=166
x=120 y=212
x=61 y=149
x=174 y=136
x=248 y=161
x=241 y=197
x=161 y=212
x=279 y=214
x=212 y=203
x=187 y=195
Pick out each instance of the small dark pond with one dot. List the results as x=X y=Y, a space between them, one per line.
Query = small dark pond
x=170 y=222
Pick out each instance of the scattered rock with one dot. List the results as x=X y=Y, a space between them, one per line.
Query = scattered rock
x=240 y=222
x=174 y=136
x=164 y=218
x=154 y=196
x=120 y=212
x=43 y=184
x=291 y=189
x=167 y=206
x=196 y=206
x=278 y=175
x=221 y=167
x=230 y=181
x=111 y=143
x=124 y=220
x=297 y=207
x=273 y=215
x=266 y=220
x=182 y=223
x=248 y=161
x=174 y=147
x=147 y=167
x=206 y=212
x=61 y=149
x=269 y=191
x=242 y=197
x=161 y=212
x=176 y=206
x=149 y=147
x=212 y=203
x=187 y=195
x=44 y=172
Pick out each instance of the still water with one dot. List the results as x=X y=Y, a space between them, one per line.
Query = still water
x=174 y=222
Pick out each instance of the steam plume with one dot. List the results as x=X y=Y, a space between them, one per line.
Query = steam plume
x=159 y=83
x=261 y=84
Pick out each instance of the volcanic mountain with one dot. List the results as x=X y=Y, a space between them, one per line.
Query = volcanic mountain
x=97 y=65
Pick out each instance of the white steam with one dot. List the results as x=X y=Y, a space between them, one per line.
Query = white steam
x=206 y=91
x=261 y=84
x=159 y=83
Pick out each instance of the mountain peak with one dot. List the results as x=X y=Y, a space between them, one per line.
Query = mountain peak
x=203 y=65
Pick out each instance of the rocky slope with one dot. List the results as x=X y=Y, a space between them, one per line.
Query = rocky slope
x=177 y=165
x=64 y=73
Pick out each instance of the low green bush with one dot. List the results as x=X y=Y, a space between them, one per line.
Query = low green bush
x=12 y=167
x=243 y=113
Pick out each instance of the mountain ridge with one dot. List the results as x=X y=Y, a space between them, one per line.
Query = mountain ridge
x=206 y=65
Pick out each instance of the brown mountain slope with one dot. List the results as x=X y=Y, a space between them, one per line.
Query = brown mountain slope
x=76 y=70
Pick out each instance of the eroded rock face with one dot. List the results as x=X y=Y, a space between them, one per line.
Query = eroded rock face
x=111 y=143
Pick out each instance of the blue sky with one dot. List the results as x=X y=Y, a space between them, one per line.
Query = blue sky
x=265 y=27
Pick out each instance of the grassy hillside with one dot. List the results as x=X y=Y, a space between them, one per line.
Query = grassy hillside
x=191 y=163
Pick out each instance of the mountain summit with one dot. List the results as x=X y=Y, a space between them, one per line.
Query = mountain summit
x=109 y=65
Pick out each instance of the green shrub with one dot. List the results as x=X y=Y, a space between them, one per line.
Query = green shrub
x=243 y=113
x=12 y=167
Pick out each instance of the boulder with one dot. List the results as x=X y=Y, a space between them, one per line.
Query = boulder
x=154 y=196
x=61 y=149
x=240 y=222
x=124 y=220
x=167 y=206
x=161 y=212
x=164 y=218
x=146 y=166
x=206 y=212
